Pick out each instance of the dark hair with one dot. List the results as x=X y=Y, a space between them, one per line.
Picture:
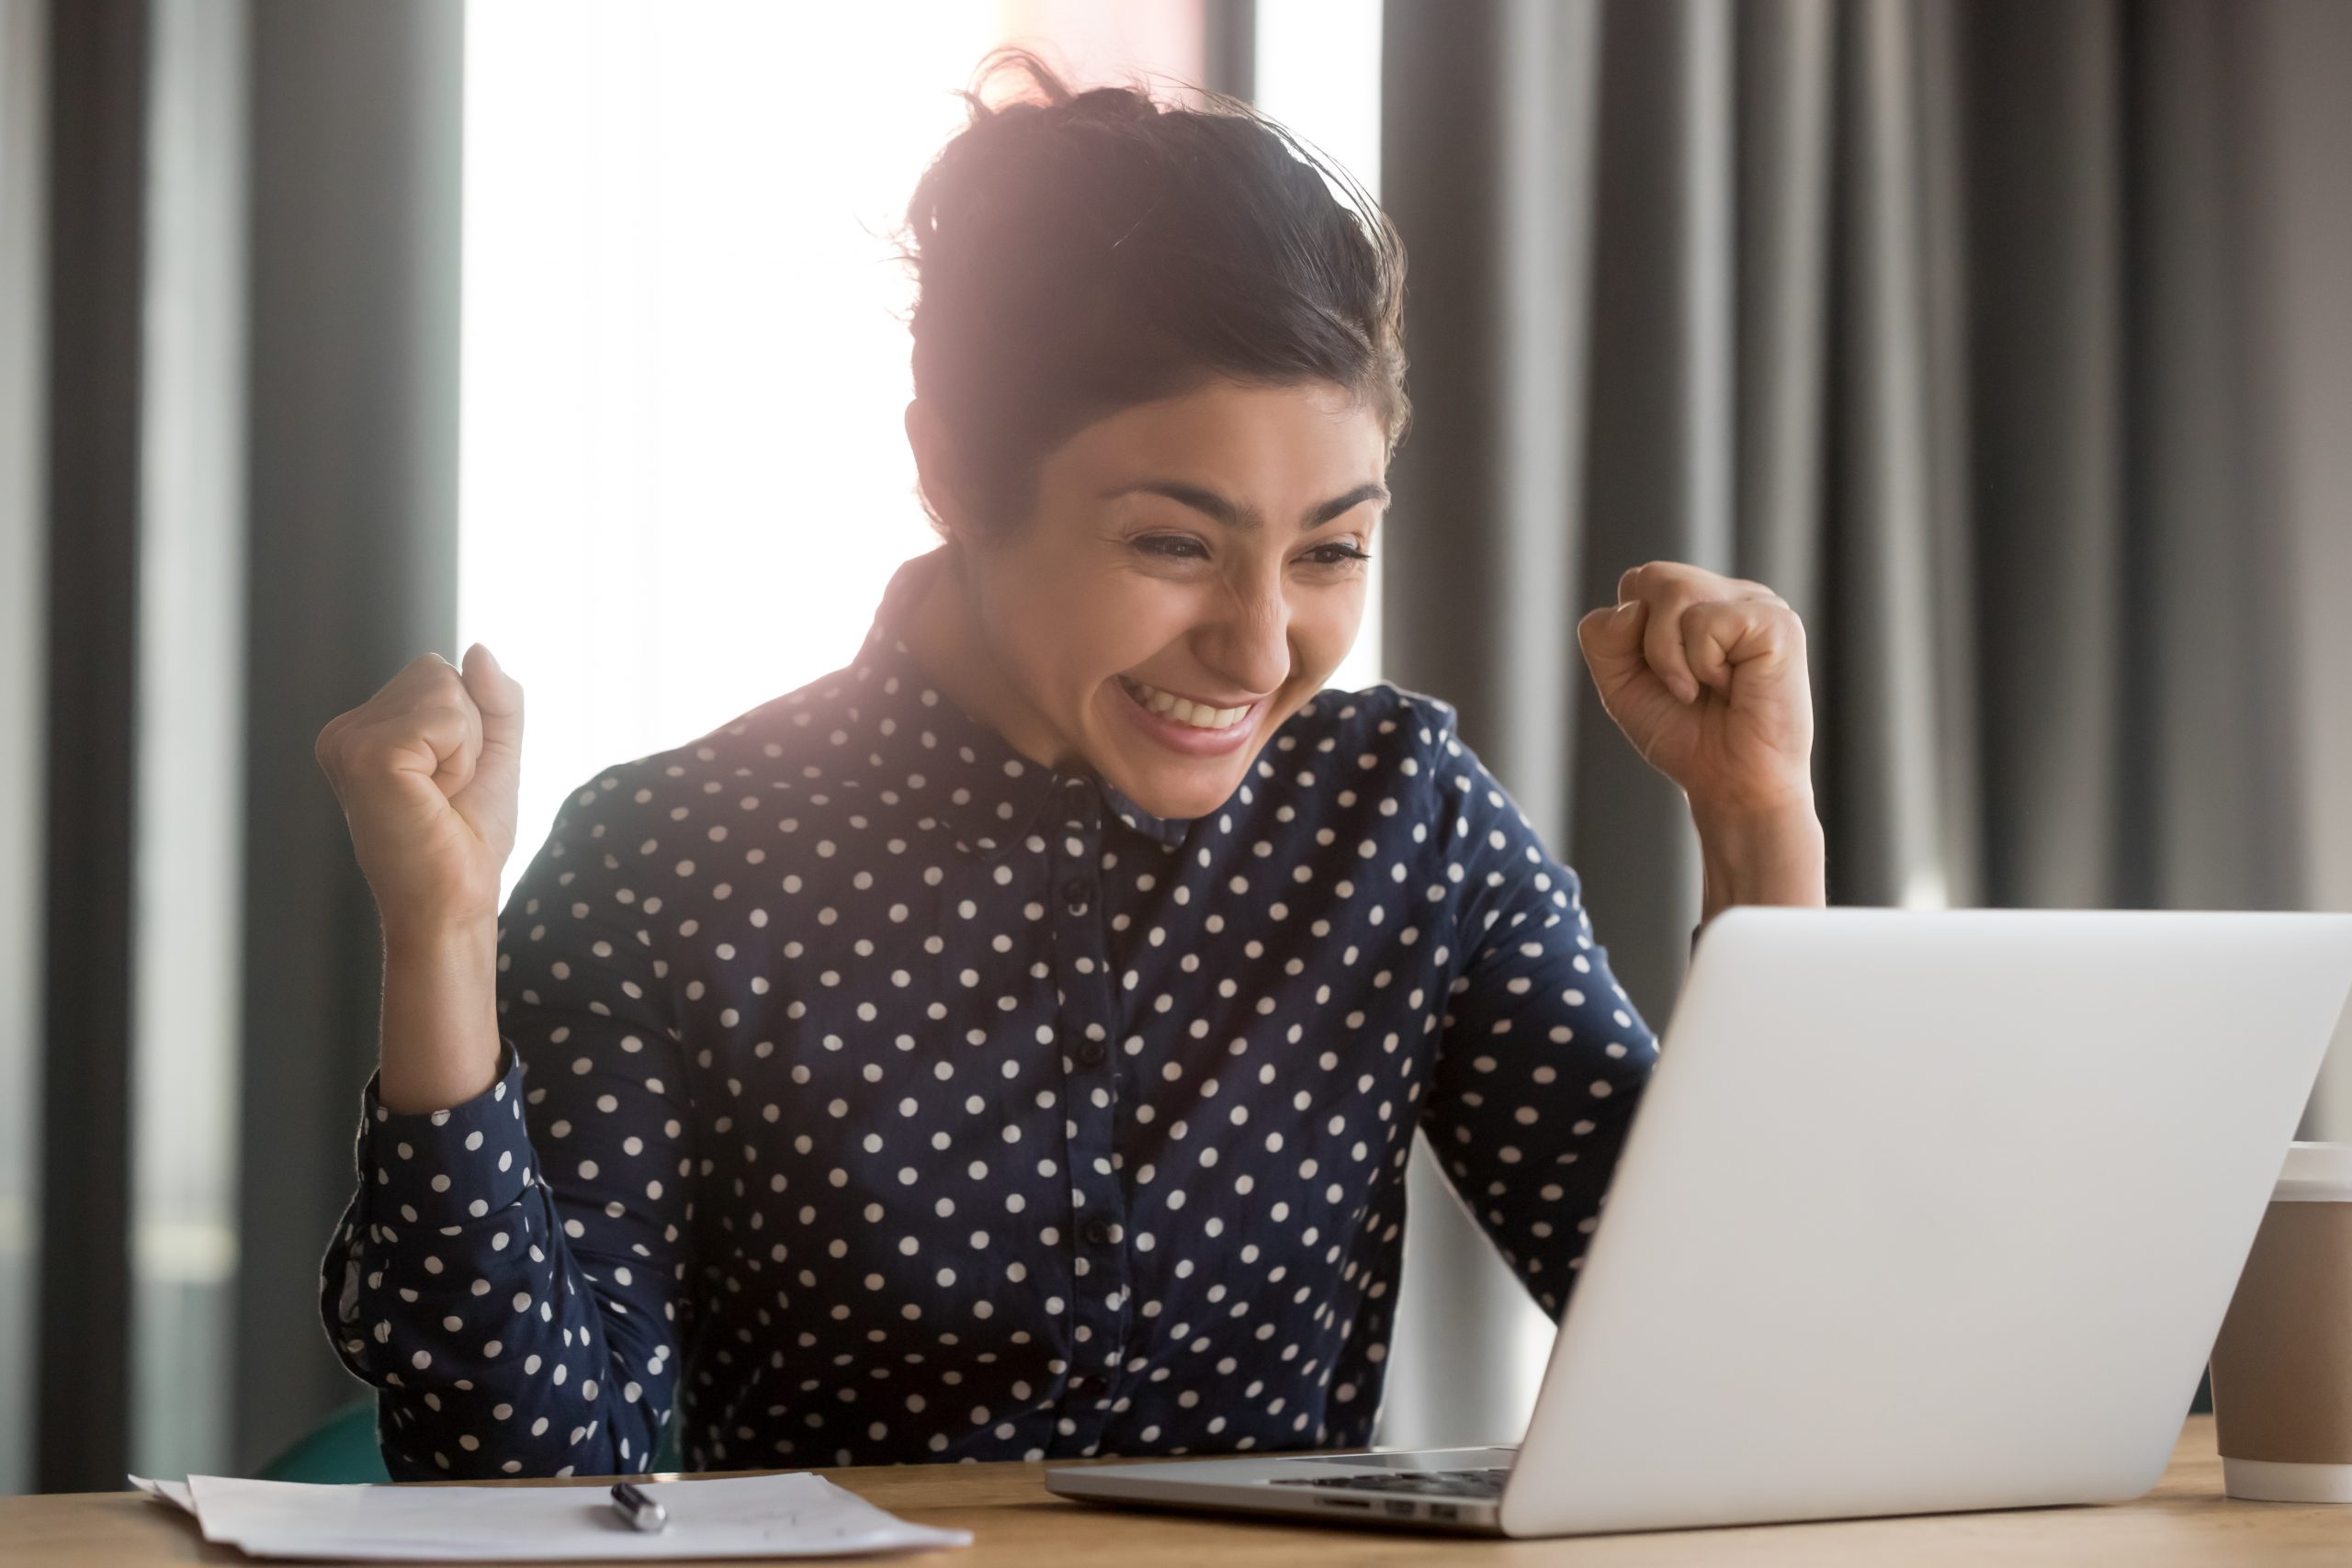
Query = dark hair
x=1080 y=253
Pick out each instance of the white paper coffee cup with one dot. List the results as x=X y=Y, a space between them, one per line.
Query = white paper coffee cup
x=2282 y=1365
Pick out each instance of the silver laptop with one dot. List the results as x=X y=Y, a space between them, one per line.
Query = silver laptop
x=1921 y=1212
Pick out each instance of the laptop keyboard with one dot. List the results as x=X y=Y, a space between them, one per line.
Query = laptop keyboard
x=1473 y=1484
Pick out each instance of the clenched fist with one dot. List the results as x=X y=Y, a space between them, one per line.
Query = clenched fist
x=1706 y=676
x=427 y=771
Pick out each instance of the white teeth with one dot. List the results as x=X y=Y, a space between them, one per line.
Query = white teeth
x=1184 y=710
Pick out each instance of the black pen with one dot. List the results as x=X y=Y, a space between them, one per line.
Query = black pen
x=641 y=1511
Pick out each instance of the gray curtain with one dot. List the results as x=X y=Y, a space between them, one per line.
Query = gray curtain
x=1958 y=322
x=356 y=149
x=23 y=557
x=228 y=281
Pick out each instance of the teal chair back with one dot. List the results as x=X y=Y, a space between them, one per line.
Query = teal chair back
x=340 y=1450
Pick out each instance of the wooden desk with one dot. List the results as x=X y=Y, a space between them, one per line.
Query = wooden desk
x=1016 y=1523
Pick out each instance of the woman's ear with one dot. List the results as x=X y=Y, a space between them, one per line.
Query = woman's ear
x=938 y=471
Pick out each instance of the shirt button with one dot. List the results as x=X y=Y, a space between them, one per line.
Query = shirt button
x=1074 y=895
x=1098 y=1233
x=1091 y=1053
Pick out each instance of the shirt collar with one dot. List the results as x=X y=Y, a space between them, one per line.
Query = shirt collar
x=971 y=779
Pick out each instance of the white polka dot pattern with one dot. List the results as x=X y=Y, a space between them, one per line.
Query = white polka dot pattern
x=873 y=1095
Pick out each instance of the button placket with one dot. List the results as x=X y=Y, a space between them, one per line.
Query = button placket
x=1098 y=1205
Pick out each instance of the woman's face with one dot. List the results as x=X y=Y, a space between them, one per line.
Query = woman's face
x=1193 y=572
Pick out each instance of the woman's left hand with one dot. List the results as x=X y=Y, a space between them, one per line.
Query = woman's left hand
x=1706 y=676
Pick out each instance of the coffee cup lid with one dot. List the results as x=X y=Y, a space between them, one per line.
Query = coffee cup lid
x=2316 y=1171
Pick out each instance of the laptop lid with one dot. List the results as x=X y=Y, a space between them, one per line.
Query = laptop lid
x=1927 y=1210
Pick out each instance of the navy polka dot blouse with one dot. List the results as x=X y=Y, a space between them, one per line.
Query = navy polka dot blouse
x=872 y=1094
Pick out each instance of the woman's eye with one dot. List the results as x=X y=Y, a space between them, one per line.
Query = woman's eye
x=1172 y=546
x=1336 y=555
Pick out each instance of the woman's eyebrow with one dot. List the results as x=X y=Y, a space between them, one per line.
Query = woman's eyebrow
x=1235 y=514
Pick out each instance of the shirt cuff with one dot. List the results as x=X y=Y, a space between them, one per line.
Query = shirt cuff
x=443 y=1168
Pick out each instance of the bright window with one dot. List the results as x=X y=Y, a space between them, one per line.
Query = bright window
x=683 y=482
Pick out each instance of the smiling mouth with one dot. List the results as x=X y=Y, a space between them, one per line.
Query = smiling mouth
x=1200 y=715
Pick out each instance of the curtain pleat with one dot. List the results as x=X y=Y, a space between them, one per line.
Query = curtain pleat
x=1879 y=526
x=2208 y=538
x=2047 y=421
x=1787 y=58
x=24 y=82
x=356 y=126
x=96 y=235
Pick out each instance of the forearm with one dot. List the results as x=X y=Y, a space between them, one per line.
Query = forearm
x=1769 y=856
x=439 y=1028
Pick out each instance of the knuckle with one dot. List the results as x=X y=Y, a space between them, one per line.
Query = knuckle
x=366 y=760
x=448 y=714
x=372 y=750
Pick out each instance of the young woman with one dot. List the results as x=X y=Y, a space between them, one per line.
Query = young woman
x=1010 y=1043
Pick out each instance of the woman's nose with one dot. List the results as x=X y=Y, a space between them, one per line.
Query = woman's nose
x=1250 y=645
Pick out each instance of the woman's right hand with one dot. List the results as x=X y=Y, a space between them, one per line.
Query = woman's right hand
x=427 y=771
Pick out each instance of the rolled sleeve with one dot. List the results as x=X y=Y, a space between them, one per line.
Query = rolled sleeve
x=445 y=1167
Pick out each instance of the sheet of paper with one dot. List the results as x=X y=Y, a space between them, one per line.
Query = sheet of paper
x=176 y=1492
x=760 y=1515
